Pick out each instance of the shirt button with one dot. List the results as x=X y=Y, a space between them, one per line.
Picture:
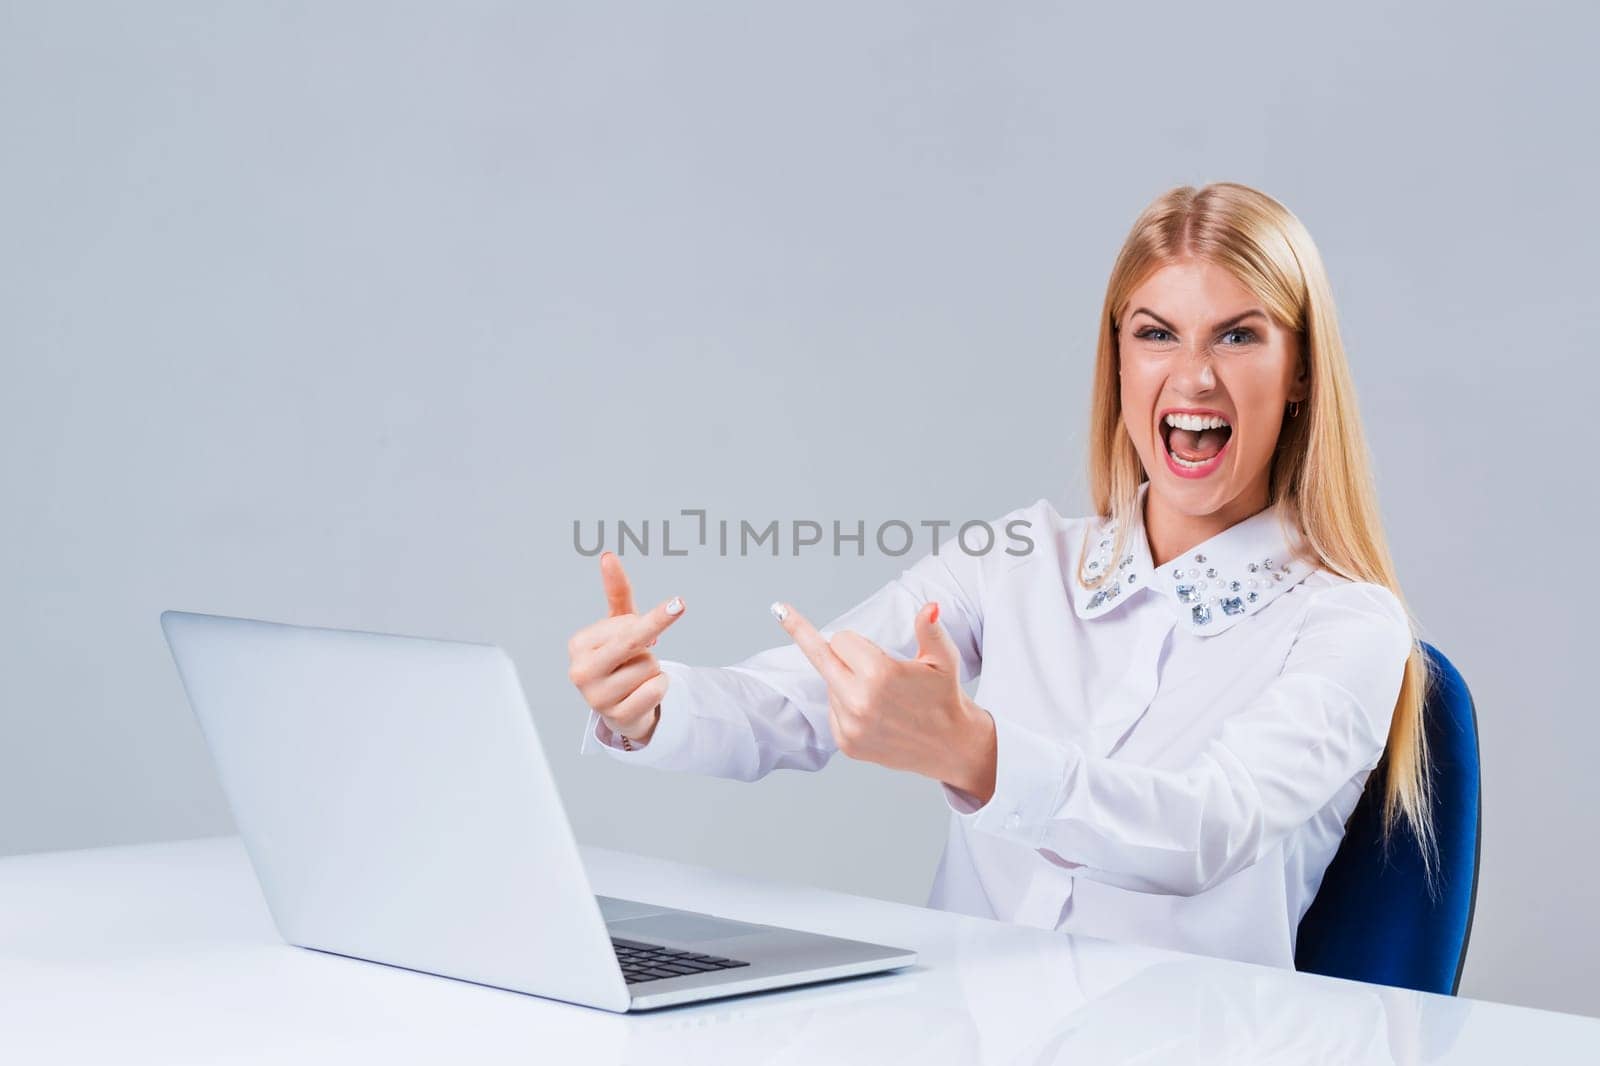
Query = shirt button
x=1013 y=820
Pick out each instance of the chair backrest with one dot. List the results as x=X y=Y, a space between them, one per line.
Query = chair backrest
x=1373 y=918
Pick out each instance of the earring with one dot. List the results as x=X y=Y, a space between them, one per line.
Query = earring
x=1294 y=409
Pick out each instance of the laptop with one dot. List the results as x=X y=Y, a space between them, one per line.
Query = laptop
x=397 y=807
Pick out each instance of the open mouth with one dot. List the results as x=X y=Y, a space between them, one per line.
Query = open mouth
x=1194 y=443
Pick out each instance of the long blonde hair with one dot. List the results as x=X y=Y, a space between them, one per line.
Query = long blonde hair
x=1321 y=473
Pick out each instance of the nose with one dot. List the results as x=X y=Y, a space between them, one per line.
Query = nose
x=1193 y=374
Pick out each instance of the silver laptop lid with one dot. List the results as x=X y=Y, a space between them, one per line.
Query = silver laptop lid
x=397 y=804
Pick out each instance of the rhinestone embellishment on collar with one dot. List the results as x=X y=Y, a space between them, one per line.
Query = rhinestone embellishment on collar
x=1211 y=591
x=1199 y=584
x=1111 y=588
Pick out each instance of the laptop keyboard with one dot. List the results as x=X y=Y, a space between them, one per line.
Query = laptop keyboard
x=652 y=962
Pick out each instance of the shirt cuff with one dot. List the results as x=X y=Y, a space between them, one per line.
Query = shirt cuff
x=671 y=735
x=1030 y=772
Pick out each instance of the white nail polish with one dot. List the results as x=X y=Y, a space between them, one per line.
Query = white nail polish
x=779 y=611
x=675 y=605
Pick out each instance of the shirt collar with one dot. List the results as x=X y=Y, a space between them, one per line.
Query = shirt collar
x=1233 y=575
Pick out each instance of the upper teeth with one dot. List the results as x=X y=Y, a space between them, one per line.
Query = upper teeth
x=1195 y=422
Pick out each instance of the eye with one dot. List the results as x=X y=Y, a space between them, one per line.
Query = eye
x=1249 y=335
x=1147 y=333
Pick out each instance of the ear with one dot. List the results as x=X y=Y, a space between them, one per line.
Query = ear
x=1301 y=387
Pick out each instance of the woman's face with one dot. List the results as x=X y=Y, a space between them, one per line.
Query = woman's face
x=1198 y=348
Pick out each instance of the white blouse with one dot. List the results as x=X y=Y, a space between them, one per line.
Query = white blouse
x=1176 y=760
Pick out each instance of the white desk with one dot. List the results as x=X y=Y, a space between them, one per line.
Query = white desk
x=165 y=954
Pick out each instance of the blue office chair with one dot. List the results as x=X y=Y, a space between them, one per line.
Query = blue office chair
x=1373 y=919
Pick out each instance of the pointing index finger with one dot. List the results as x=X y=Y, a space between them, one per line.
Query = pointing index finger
x=654 y=623
x=812 y=643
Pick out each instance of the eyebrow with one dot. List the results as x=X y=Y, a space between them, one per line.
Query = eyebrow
x=1219 y=326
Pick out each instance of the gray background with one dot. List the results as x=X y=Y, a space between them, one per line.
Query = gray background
x=342 y=314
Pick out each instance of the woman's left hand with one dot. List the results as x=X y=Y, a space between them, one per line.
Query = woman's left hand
x=906 y=714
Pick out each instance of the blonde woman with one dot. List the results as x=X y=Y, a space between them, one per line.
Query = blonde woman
x=1180 y=697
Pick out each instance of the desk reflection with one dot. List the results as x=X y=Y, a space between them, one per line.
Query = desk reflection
x=1023 y=998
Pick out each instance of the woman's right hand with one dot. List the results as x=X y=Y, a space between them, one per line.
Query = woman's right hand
x=611 y=663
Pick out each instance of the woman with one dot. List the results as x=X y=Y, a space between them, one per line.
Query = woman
x=1181 y=696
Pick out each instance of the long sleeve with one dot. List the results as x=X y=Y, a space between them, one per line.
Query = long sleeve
x=1270 y=768
x=770 y=711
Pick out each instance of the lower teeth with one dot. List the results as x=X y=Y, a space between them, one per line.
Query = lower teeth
x=1191 y=464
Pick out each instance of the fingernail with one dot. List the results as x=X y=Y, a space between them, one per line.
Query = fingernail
x=779 y=611
x=675 y=605
x=933 y=615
